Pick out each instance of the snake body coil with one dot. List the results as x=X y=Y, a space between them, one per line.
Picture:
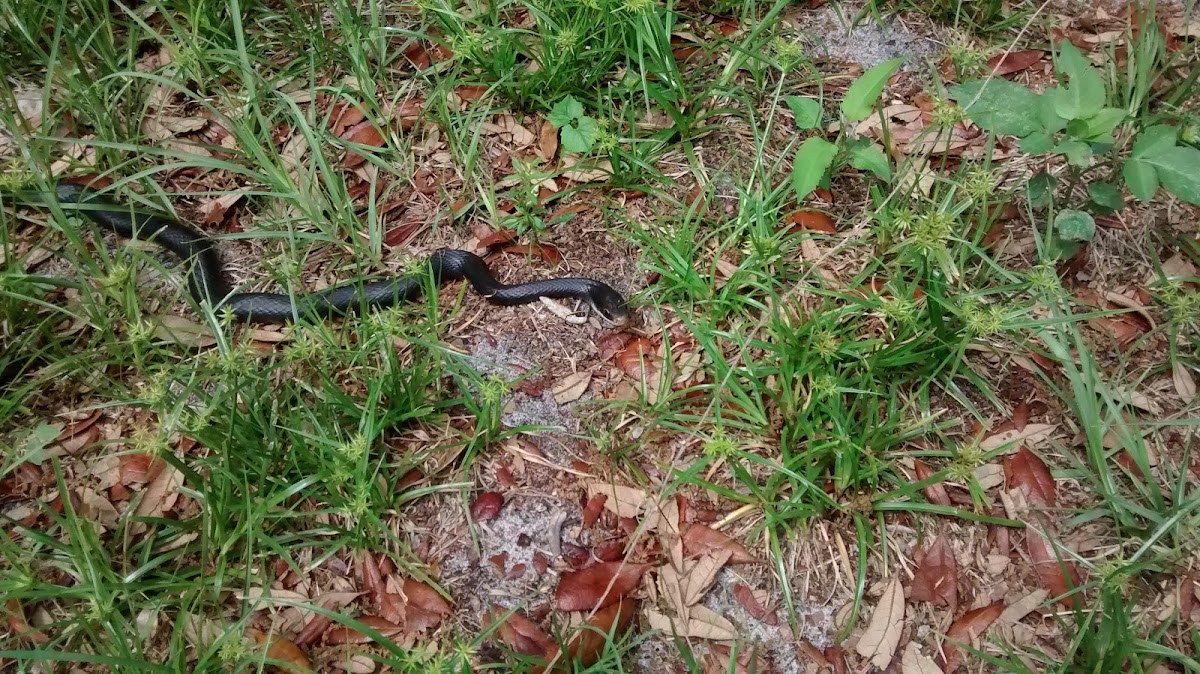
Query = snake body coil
x=205 y=279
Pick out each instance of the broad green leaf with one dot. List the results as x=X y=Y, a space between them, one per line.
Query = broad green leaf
x=565 y=111
x=1153 y=140
x=1098 y=126
x=579 y=139
x=871 y=158
x=864 y=93
x=999 y=106
x=811 y=162
x=1074 y=225
x=1041 y=189
x=1077 y=152
x=1178 y=170
x=807 y=111
x=1141 y=178
x=1038 y=142
x=1051 y=122
x=1083 y=96
x=1106 y=196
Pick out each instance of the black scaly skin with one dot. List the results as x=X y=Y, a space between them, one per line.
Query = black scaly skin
x=206 y=283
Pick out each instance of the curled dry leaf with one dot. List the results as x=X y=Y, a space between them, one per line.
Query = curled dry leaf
x=520 y=633
x=934 y=493
x=966 y=630
x=1009 y=62
x=588 y=643
x=542 y=251
x=285 y=651
x=363 y=133
x=497 y=239
x=597 y=586
x=1028 y=473
x=571 y=387
x=547 y=141
x=816 y=221
x=756 y=603
x=878 y=643
x=591 y=512
x=487 y=506
x=17 y=625
x=699 y=539
x=1059 y=576
x=344 y=634
x=1185 y=385
x=426 y=608
x=936 y=577
x=636 y=359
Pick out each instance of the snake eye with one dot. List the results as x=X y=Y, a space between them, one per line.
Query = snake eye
x=609 y=304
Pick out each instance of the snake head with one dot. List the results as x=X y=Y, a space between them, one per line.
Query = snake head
x=611 y=305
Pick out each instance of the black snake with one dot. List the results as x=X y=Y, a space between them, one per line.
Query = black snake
x=206 y=282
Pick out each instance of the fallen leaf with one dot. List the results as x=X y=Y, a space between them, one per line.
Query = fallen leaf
x=1032 y=435
x=936 y=577
x=591 y=512
x=18 y=626
x=636 y=358
x=699 y=539
x=1028 y=473
x=571 y=388
x=487 y=506
x=503 y=237
x=882 y=636
x=1059 y=577
x=364 y=133
x=913 y=661
x=214 y=210
x=139 y=468
x=520 y=633
x=1022 y=607
x=755 y=603
x=547 y=141
x=183 y=332
x=344 y=634
x=542 y=251
x=426 y=607
x=816 y=221
x=597 y=586
x=1185 y=385
x=468 y=93
x=966 y=630
x=580 y=172
x=704 y=623
x=701 y=575
x=934 y=493
x=589 y=641
x=285 y=650
x=620 y=500
x=161 y=494
x=1007 y=63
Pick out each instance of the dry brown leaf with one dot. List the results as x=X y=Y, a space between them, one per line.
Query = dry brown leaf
x=285 y=650
x=1028 y=473
x=878 y=643
x=183 y=332
x=344 y=634
x=966 y=630
x=577 y=170
x=520 y=633
x=15 y=619
x=597 y=586
x=161 y=494
x=1033 y=435
x=1007 y=63
x=816 y=221
x=756 y=603
x=622 y=501
x=704 y=623
x=426 y=607
x=1016 y=611
x=936 y=577
x=589 y=641
x=214 y=210
x=698 y=539
x=934 y=493
x=363 y=133
x=487 y=506
x=701 y=575
x=1185 y=385
x=637 y=359
x=571 y=388
x=1059 y=577
x=548 y=141
x=913 y=661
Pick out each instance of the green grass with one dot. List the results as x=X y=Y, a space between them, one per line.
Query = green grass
x=811 y=393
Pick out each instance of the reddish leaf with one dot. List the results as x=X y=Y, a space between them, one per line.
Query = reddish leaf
x=934 y=493
x=1187 y=596
x=591 y=512
x=966 y=630
x=498 y=560
x=540 y=562
x=18 y=626
x=409 y=111
x=548 y=140
x=636 y=358
x=503 y=237
x=140 y=468
x=1007 y=63
x=343 y=116
x=285 y=650
x=372 y=578
x=516 y=572
x=936 y=577
x=423 y=607
x=487 y=506
x=588 y=643
x=749 y=601
x=348 y=635
x=417 y=55
x=1020 y=415
x=545 y=251
x=610 y=551
x=313 y=629
x=468 y=93
x=364 y=133
x=837 y=659
x=1058 y=577
x=597 y=586
x=813 y=220
x=612 y=344
x=400 y=234
x=1026 y=472
x=521 y=634
x=699 y=539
